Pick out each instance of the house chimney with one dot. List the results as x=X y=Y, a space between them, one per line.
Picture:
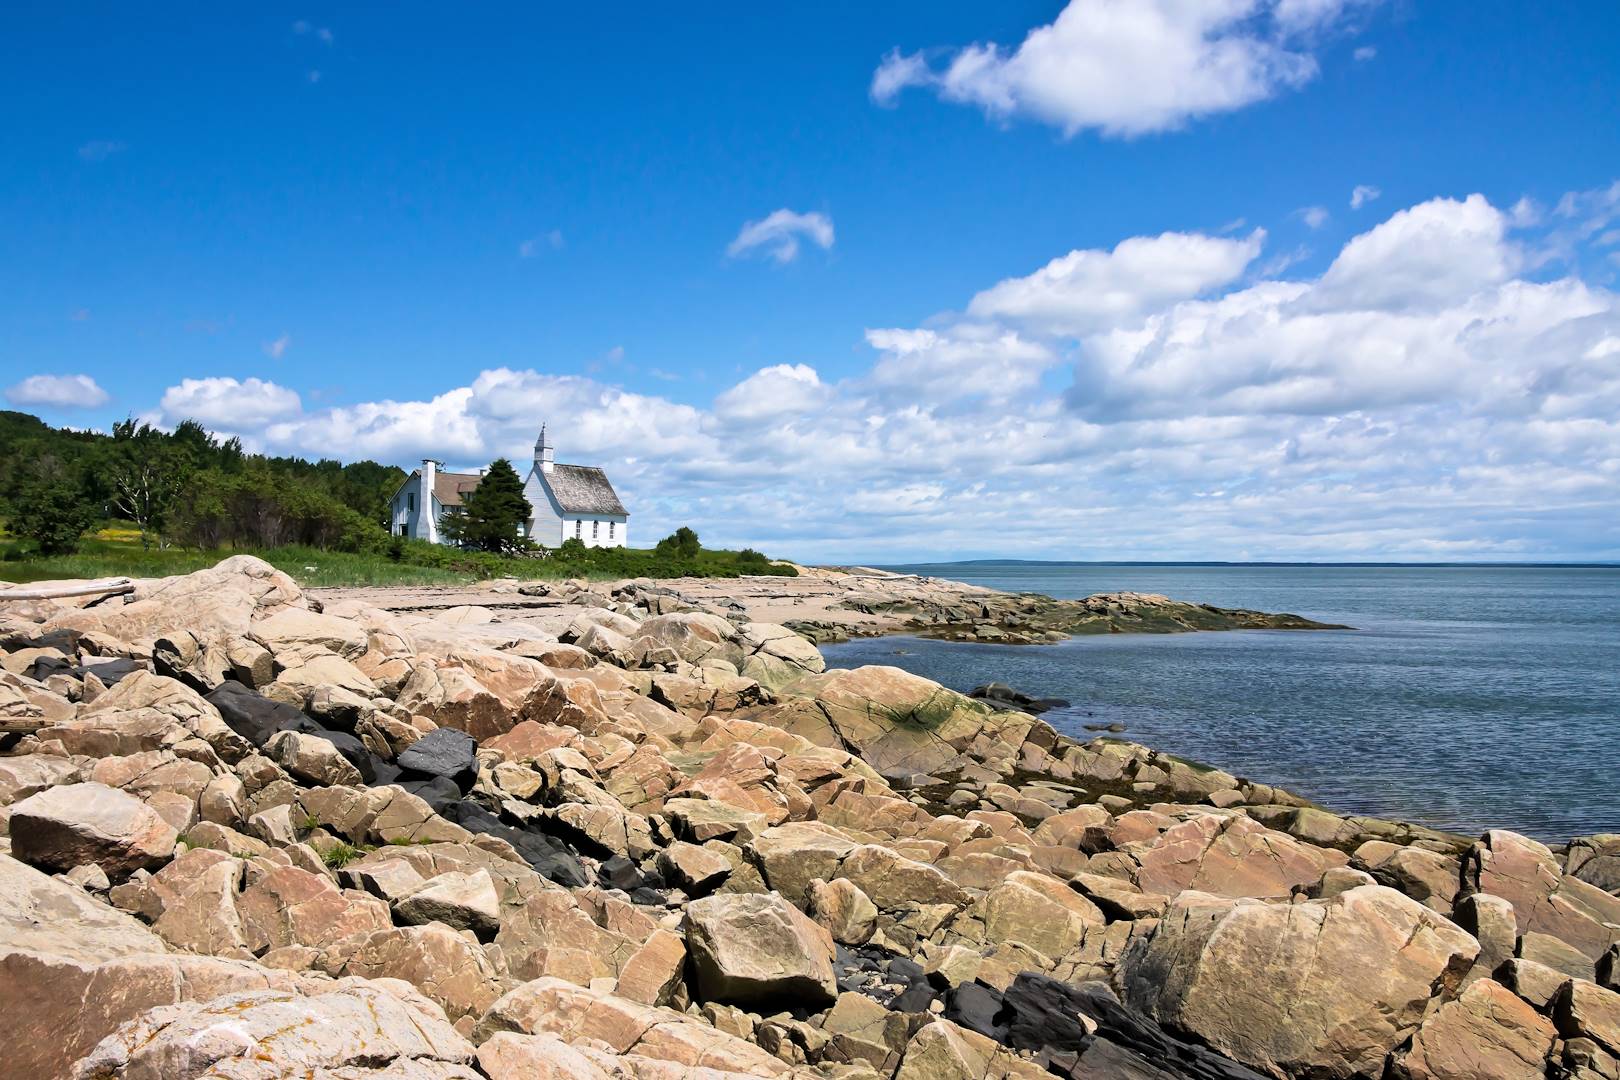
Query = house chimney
x=427 y=522
x=542 y=452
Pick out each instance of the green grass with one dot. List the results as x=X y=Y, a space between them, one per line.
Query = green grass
x=116 y=551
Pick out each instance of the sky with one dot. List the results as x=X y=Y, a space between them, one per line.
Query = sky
x=1111 y=279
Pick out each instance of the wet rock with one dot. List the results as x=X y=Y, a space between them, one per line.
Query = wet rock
x=1003 y=696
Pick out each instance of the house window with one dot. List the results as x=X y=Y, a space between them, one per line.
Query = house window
x=596 y=529
x=410 y=502
x=579 y=528
x=610 y=530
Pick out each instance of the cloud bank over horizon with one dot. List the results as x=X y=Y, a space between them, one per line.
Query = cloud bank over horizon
x=1447 y=388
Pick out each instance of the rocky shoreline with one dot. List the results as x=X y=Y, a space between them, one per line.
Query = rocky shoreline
x=638 y=831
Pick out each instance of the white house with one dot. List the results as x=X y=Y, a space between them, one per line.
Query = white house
x=566 y=502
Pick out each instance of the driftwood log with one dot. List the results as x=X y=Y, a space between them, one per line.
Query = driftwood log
x=108 y=587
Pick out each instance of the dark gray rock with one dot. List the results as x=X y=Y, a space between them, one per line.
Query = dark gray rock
x=549 y=857
x=445 y=752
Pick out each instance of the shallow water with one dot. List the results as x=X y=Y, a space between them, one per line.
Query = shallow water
x=1467 y=698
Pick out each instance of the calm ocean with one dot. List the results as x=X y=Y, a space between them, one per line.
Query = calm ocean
x=1467 y=698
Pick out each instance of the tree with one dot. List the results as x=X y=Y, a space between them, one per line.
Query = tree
x=146 y=470
x=491 y=516
x=53 y=513
x=683 y=542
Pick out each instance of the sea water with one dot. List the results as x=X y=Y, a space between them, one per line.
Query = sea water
x=1466 y=697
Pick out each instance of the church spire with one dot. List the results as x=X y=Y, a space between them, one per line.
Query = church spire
x=542 y=452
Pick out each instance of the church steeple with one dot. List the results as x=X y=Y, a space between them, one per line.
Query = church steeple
x=542 y=452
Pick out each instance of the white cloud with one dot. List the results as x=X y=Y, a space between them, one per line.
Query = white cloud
x=1130 y=67
x=1315 y=216
x=1364 y=53
x=276 y=349
x=58 y=392
x=1089 y=289
x=771 y=394
x=966 y=361
x=1435 y=253
x=777 y=235
x=229 y=404
x=1362 y=195
x=1422 y=398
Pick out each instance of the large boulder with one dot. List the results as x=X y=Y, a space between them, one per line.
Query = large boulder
x=897 y=722
x=1488 y=1033
x=757 y=948
x=1322 y=988
x=1223 y=855
x=362 y=1028
x=74 y=824
x=197 y=626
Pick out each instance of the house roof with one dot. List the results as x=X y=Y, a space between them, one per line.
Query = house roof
x=450 y=487
x=582 y=489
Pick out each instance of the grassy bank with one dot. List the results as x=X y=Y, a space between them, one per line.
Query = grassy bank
x=117 y=552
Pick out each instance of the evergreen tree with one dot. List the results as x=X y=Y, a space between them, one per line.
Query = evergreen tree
x=492 y=515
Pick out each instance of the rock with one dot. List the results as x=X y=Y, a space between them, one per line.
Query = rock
x=1038 y=911
x=290 y=906
x=1544 y=899
x=1490 y=919
x=1486 y=1034
x=295 y=634
x=553 y=934
x=147 y=712
x=793 y=855
x=1003 y=696
x=653 y=974
x=847 y=913
x=445 y=752
x=510 y=1056
x=1324 y=985
x=63 y=827
x=447 y=966
x=1582 y=1009
x=360 y=1028
x=1535 y=983
x=312 y=759
x=697 y=870
x=1596 y=860
x=1231 y=856
x=943 y=1051
x=758 y=948
x=460 y=901
x=254 y=717
x=551 y=1006
x=893 y=881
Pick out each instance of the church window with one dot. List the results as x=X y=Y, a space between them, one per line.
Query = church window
x=596 y=529
x=579 y=527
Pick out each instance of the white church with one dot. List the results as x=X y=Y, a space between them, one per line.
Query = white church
x=566 y=502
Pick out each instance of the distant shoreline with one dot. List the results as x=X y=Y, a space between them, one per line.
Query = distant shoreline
x=902 y=567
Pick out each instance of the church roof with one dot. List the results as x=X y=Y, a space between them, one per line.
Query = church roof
x=582 y=489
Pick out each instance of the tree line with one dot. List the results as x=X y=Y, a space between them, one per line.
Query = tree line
x=183 y=487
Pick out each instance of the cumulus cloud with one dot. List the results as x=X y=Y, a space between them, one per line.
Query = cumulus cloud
x=777 y=235
x=1090 y=289
x=228 y=404
x=772 y=393
x=58 y=392
x=1422 y=397
x=1129 y=67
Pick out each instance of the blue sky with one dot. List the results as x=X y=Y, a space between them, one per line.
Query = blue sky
x=1094 y=291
